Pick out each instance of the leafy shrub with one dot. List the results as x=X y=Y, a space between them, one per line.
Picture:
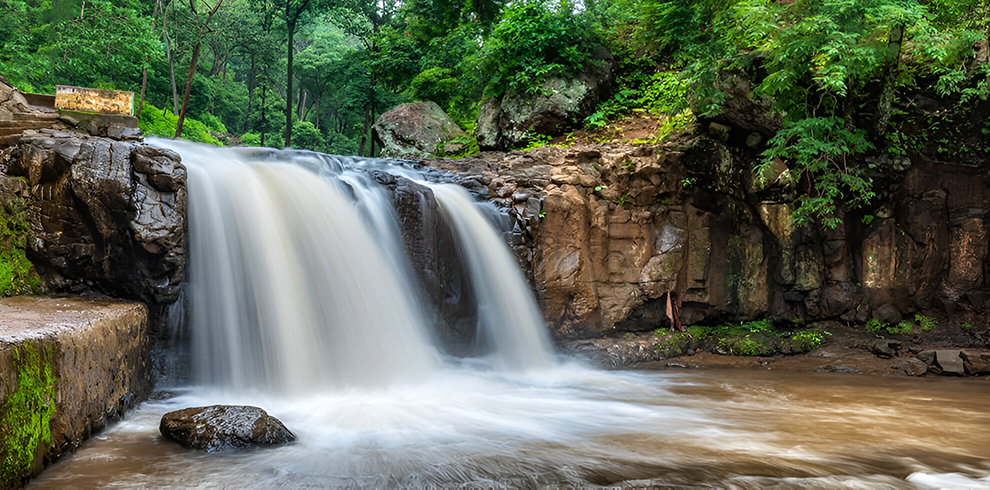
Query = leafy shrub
x=902 y=328
x=757 y=326
x=531 y=44
x=162 y=123
x=926 y=323
x=808 y=340
x=875 y=325
x=745 y=346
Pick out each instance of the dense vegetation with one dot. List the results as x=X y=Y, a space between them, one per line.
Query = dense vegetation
x=844 y=76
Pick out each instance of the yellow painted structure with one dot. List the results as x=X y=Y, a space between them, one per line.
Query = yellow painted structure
x=94 y=100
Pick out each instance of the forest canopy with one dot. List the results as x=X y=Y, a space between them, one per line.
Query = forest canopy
x=317 y=73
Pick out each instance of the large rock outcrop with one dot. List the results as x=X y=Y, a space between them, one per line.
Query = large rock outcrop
x=421 y=129
x=105 y=215
x=68 y=365
x=509 y=120
x=610 y=234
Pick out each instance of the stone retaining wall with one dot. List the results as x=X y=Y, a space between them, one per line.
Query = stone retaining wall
x=68 y=365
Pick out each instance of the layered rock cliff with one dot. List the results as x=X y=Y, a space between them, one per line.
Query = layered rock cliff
x=610 y=233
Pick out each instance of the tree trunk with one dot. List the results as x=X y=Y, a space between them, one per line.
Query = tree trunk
x=144 y=87
x=185 y=98
x=171 y=71
x=251 y=83
x=264 y=117
x=291 y=27
x=302 y=103
x=886 y=104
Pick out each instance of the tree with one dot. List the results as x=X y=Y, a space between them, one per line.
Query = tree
x=195 y=60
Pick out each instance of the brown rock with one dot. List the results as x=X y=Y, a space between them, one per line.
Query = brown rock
x=910 y=366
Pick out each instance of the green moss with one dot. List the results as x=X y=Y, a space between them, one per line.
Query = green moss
x=17 y=274
x=27 y=412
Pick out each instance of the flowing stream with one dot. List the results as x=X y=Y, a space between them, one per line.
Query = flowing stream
x=302 y=301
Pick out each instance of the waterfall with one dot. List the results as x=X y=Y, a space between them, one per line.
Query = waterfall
x=507 y=313
x=297 y=277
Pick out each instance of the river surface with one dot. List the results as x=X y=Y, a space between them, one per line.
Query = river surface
x=570 y=426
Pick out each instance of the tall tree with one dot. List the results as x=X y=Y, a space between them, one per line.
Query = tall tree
x=193 y=63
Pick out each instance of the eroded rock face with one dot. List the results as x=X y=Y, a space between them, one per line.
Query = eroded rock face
x=104 y=214
x=224 y=427
x=508 y=121
x=421 y=129
x=436 y=260
x=608 y=234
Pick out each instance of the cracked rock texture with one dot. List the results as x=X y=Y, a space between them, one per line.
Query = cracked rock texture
x=105 y=215
x=608 y=232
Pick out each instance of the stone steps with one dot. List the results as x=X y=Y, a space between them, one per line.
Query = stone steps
x=8 y=128
x=33 y=116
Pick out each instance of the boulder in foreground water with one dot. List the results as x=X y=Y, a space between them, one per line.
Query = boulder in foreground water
x=224 y=427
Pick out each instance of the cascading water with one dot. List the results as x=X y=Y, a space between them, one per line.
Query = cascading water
x=298 y=285
x=508 y=316
x=298 y=280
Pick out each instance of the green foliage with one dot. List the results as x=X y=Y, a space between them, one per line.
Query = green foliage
x=822 y=147
x=808 y=340
x=875 y=325
x=902 y=328
x=966 y=327
x=821 y=64
x=470 y=147
x=27 y=412
x=162 y=123
x=535 y=141
x=662 y=93
x=17 y=274
x=926 y=323
x=757 y=326
x=306 y=136
x=745 y=346
x=531 y=43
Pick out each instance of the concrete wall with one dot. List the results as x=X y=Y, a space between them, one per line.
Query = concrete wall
x=68 y=365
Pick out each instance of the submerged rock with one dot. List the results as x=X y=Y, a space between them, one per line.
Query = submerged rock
x=224 y=427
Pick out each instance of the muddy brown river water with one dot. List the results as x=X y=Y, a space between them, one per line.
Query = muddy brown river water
x=576 y=427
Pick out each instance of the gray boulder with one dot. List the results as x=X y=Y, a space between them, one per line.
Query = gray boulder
x=950 y=362
x=418 y=130
x=224 y=427
x=509 y=120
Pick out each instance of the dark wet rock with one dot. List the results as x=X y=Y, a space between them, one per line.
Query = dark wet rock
x=224 y=427
x=927 y=356
x=437 y=263
x=105 y=216
x=886 y=348
x=421 y=129
x=910 y=366
x=830 y=368
x=950 y=362
x=888 y=314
